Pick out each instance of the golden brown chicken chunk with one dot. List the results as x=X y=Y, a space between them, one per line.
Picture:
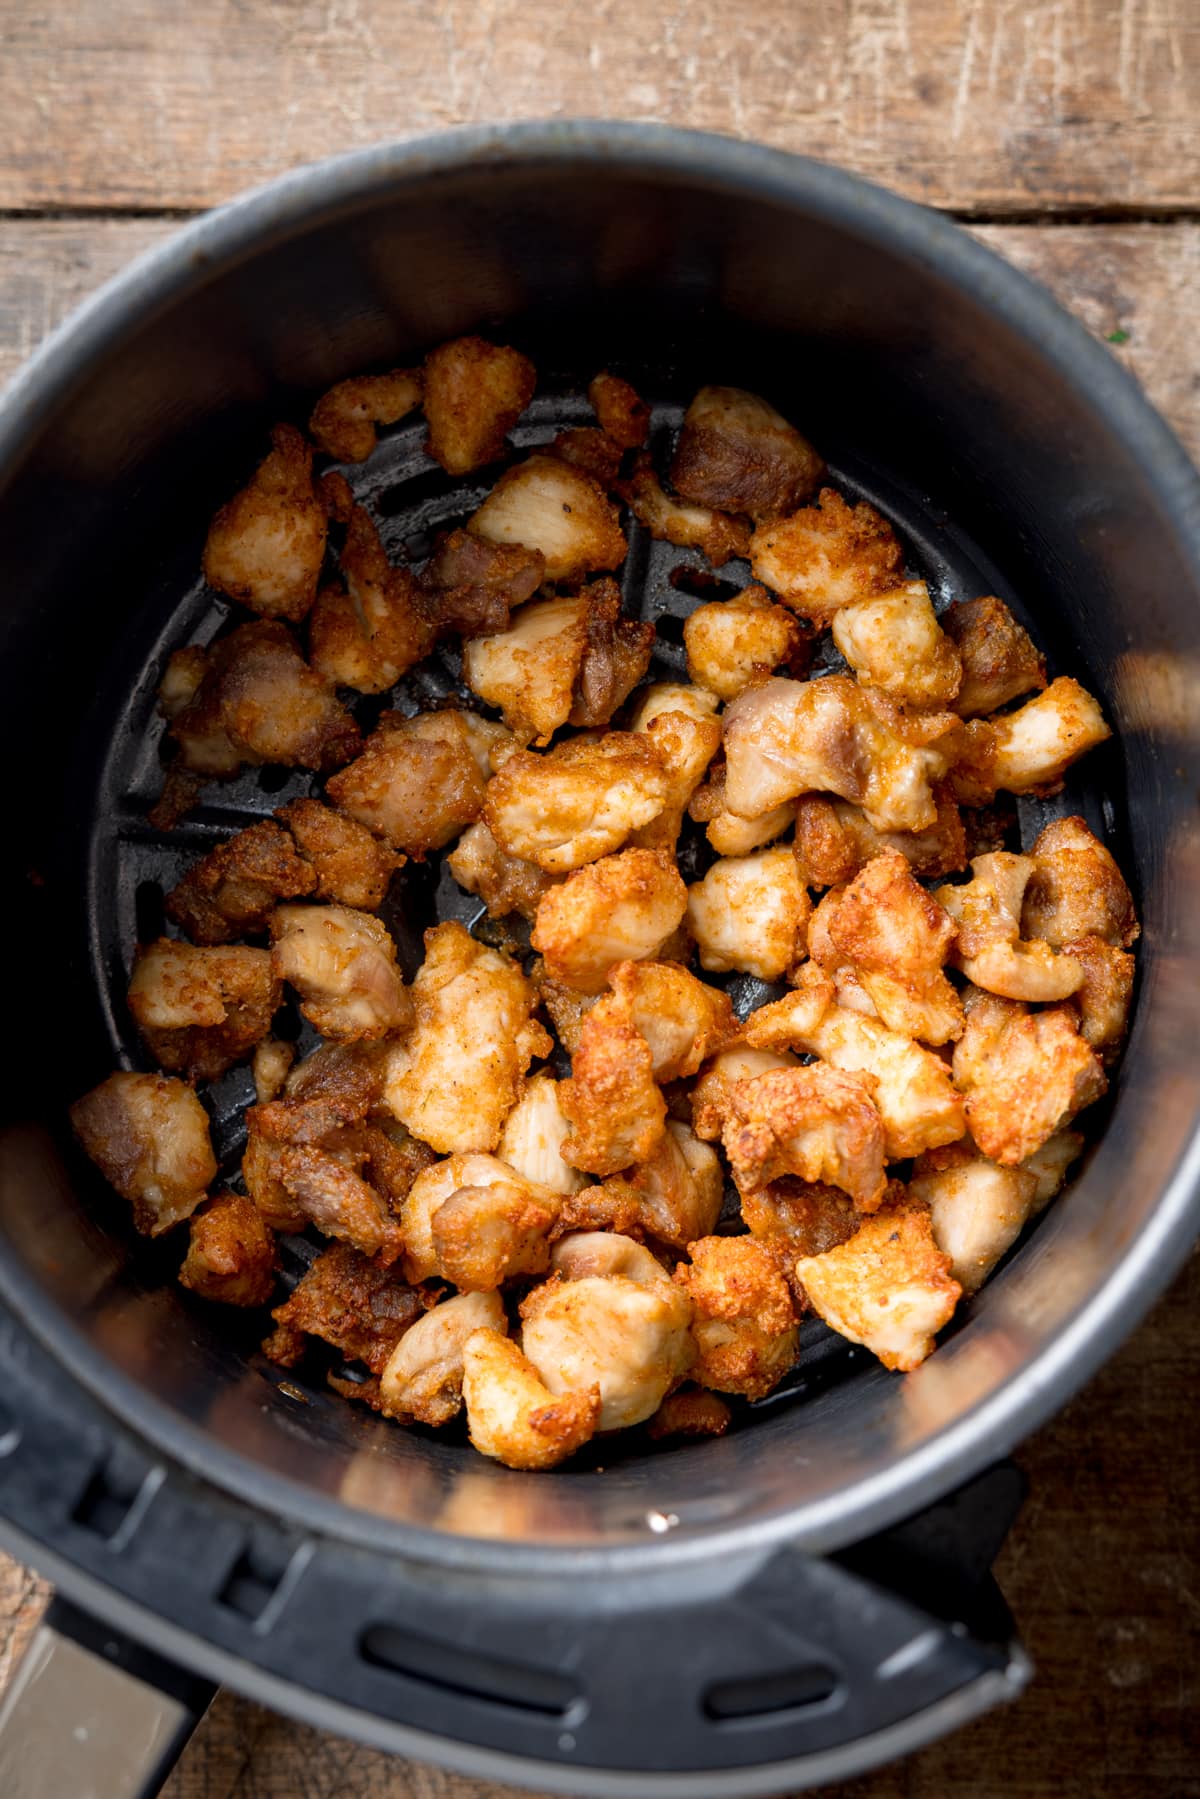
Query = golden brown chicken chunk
x=977 y=1209
x=619 y=909
x=342 y=963
x=743 y=1319
x=614 y=1106
x=271 y=1064
x=588 y=448
x=999 y=661
x=533 y=1136
x=424 y=1373
x=352 y=867
x=894 y=643
x=683 y=1019
x=669 y=519
x=512 y=1415
x=690 y=1412
x=548 y=505
x=896 y=937
x=795 y=1217
x=300 y=1168
x=732 y=643
x=889 y=1287
x=372 y=630
x=232 y=891
x=989 y=949
x=350 y=1302
x=577 y=802
x=827 y=556
x=679 y=1188
x=834 y=840
x=433 y=1186
x=737 y=1062
x=483 y=1236
x=1029 y=750
x=344 y=419
x=728 y=834
x=1076 y=889
x=616 y=655
x=148 y=1136
x=565 y=1006
x=814 y=1122
x=201 y=1010
x=231 y=1253
x=680 y=722
x=504 y=883
x=1024 y=1073
x=736 y=452
x=419 y=781
x=750 y=913
x=474 y=394
x=623 y=414
x=1102 y=998
x=266 y=545
x=471 y=586
x=529 y=671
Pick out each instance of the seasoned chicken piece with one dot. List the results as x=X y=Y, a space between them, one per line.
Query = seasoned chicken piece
x=1024 y=1074
x=736 y=452
x=548 y=505
x=889 y=1287
x=690 y=1412
x=148 y=1136
x=484 y=1235
x=512 y=1416
x=896 y=937
x=232 y=891
x=827 y=556
x=271 y=1063
x=474 y=394
x=894 y=643
x=977 y=1208
x=668 y=519
x=679 y=1187
x=624 y=415
x=457 y=1076
x=356 y=1305
x=588 y=448
x=743 y=1320
x=344 y=419
x=202 y=1010
x=750 y=913
x=529 y=671
x=471 y=586
x=732 y=643
x=814 y=1122
x=728 y=834
x=430 y=1191
x=504 y=883
x=615 y=1109
x=710 y=1095
x=619 y=909
x=578 y=801
x=785 y=738
x=231 y=1253
x=627 y=1337
x=342 y=963
x=797 y=1217
x=999 y=660
x=1029 y=750
x=1049 y=1164
x=683 y=1019
x=533 y=1136
x=679 y=721
x=1076 y=889
x=424 y=1374
x=1102 y=999
x=346 y=1077
x=592 y=1254
x=418 y=782
x=566 y=1006
x=372 y=630
x=266 y=545
x=351 y=866
x=834 y=841
x=616 y=655
x=327 y=1185
x=602 y=1207
x=989 y=950
x=797 y=1015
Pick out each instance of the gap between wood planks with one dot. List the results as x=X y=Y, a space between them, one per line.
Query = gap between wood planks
x=1138 y=214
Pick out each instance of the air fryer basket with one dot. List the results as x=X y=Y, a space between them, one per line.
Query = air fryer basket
x=1014 y=457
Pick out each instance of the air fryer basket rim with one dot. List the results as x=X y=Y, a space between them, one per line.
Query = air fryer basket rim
x=296 y=201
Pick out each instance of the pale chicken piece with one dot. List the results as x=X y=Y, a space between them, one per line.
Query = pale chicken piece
x=737 y=452
x=342 y=963
x=889 y=1287
x=148 y=1136
x=679 y=1187
x=1076 y=889
x=989 y=949
x=614 y=1106
x=616 y=655
x=683 y=1019
x=548 y=505
x=372 y=630
x=827 y=556
x=627 y=1337
x=515 y=1418
x=1029 y=750
x=504 y=883
x=710 y=1095
x=271 y=1065
x=418 y=781
x=1102 y=998
x=533 y=1136
x=619 y=909
x=743 y=1319
x=231 y=1253
x=732 y=643
x=351 y=865
x=680 y=723
x=593 y=1254
x=430 y=1191
x=266 y=545
x=977 y=1208
x=483 y=1236
x=529 y=671
x=750 y=914
x=730 y=835
x=232 y=891
x=717 y=535
x=814 y=1122
x=423 y=1376
x=458 y=1074
x=623 y=414
x=896 y=937
x=785 y=738
x=344 y=419
x=1049 y=1164
x=894 y=643
x=834 y=840
x=999 y=659
x=202 y=1010
x=577 y=802
x=475 y=392
x=1025 y=1074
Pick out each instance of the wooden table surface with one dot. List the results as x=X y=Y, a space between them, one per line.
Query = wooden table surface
x=1066 y=133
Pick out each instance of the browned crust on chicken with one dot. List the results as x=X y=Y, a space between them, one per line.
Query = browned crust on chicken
x=623 y=414
x=475 y=392
x=266 y=544
x=592 y=450
x=999 y=660
x=737 y=453
x=201 y=1010
x=232 y=891
x=352 y=867
x=1076 y=889
x=616 y=1111
x=374 y=629
x=504 y=883
x=690 y=1412
x=617 y=652
x=1024 y=1074
x=231 y=1253
x=827 y=556
x=689 y=526
x=834 y=840
x=352 y=1303
x=549 y=505
x=743 y=1319
x=816 y=1122
x=417 y=782
x=344 y=419
x=472 y=586
x=148 y=1135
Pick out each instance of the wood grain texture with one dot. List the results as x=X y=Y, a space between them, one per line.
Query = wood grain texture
x=994 y=104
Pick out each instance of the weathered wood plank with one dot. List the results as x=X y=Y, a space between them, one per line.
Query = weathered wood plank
x=1027 y=104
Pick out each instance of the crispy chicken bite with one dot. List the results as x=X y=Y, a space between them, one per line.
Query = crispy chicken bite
x=683 y=1019
x=827 y=556
x=690 y=1412
x=352 y=867
x=889 y=1287
x=344 y=419
x=619 y=909
x=202 y=1010
x=627 y=1337
x=547 y=505
x=472 y=586
x=424 y=1373
x=679 y=1187
x=814 y=1122
x=736 y=452
x=350 y=1302
x=728 y=834
x=148 y=1136
x=750 y=913
x=232 y=890
x=977 y=1208
x=895 y=643
x=1024 y=1074
x=668 y=519
x=679 y=722
x=593 y=1254
x=529 y=671
x=342 y=963
x=1102 y=998
x=474 y=394
x=616 y=655
x=896 y=937
x=533 y=1136
x=834 y=840
x=989 y=950
x=1076 y=889
x=374 y=629
x=710 y=1096
x=615 y=1108
x=484 y=1235
x=999 y=661
x=577 y=802
x=504 y=883
x=732 y=643
x=565 y=1006
x=333 y=1182
x=1029 y=750
x=512 y=1416
x=433 y=1186
x=271 y=1063
x=345 y=1077
x=419 y=781
x=458 y=1074
x=588 y=448
x=743 y=1320
x=231 y=1253
x=795 y=1217
x=623 y=414
x=266 y=545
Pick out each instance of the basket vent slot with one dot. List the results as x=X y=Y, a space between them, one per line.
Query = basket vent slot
x=470 y=1673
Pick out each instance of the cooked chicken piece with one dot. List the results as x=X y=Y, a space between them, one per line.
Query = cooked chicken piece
x=484 y=1235
x=472 y=586
x=504 y=883
x=888 y=1288
x=683 y=1019
x=345 y=1077
x=732 y=643
x=232 y=890
x=270 y=1063
x=266 y=545
x=148 y=1136
x=418 y=782
x=424 y=1374
x=533 y=1136
x=799 y=1217
x=615 y=1109
x=691 y=1412
x=352 y=867
x=827 y=556
x=743 y=1320
x=566 y=1006
x=1029 y=750
x=350 y=1302
x=624 y=415
x=895 y=643
x=474 y=394
x=814 y=1122
x=602 y=1207
x=730 y=835
x=750 y=913
x=457 y=1076
x=512 y=1416
x=896 y=937
x=374 y=629
x=977 y=1208
x=834 y=841
x=202 y=1010
x=668 y=519
x=619 y=909
x=548 y=505
x=999 y=660
x=1102 y=1000
x=1025 y=1074
x=529 y=671
x=679 y=1188
x=588 y=448
x=989 y=950
x=1049 y=1164
x=616 y=656
x=593 y=1254
x=231 y=1253
x=327 y=1186
x=627 y=1337
x=679 y=721
x=794 y=1017
x=784 y=738
x=710 y=1095
x=1076 y=889
x=430 y=1191
x=736 y=452
x=342 y=963
x=578 y=801
x=344 y=419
